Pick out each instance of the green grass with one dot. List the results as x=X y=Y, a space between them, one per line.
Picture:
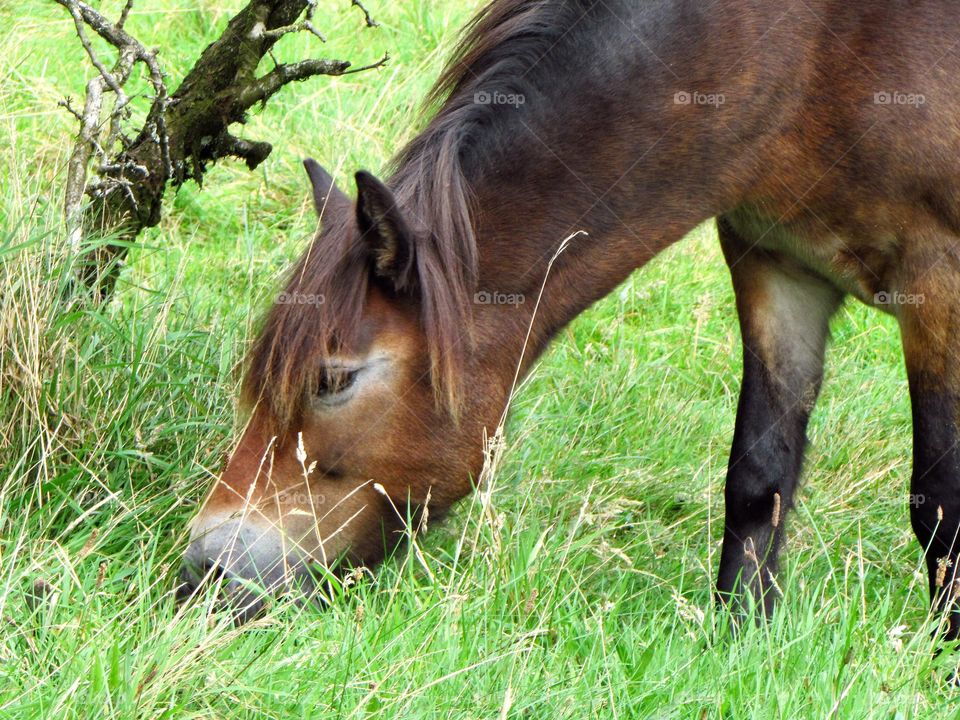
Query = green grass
x=578 y=586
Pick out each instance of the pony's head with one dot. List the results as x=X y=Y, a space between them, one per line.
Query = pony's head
x=360 y=402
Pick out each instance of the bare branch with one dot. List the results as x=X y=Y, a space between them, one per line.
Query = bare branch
x=116 y=36
x=67 y=104
x=366 y=14
x=263 y=88
x=74 y=8
x=79 y=160
x=372 y=66
x=124 y=14
x=135 y=172
x=121 y=73
x=113 y=34
x=260 y=30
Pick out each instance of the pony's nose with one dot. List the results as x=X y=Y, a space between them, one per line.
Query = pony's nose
x=241 y=598
x=246 y=562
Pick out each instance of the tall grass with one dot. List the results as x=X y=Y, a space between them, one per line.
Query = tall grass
x=576 y=585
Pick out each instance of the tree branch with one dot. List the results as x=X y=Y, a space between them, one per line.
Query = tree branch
x=78 y=21
x=260 y=30
x=124 y=14
x=252 y=153
x=366 y=14
x=372 y=66
x=265 y=87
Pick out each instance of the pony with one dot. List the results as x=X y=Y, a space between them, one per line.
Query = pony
x=822 y=135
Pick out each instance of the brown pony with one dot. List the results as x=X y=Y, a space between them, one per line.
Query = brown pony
x=823 y=134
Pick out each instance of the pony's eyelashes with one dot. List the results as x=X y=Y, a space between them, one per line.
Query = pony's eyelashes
x=335 y=385
x=338 y=383
x=335 y=381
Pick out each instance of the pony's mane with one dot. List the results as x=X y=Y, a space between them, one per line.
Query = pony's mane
x=432 y=184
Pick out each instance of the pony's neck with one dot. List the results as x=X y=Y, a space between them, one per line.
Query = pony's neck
x=593 y=135
x=546 y=256
x=587 y=192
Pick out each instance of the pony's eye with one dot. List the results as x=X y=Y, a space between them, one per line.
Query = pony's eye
x=334 y=381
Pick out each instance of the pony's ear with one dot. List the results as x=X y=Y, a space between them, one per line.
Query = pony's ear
x=325 y=192
x=385 y=232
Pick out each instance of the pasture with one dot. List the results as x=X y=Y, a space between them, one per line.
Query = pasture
x=578 y=583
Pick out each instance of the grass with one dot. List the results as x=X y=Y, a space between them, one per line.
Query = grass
x=578 y=585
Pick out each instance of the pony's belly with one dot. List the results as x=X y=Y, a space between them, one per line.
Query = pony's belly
x=865 y=270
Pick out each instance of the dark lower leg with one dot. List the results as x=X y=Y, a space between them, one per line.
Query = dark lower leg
x=784 y=317
x=935 y=493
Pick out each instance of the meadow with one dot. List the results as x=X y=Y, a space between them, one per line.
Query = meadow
x=578 y=584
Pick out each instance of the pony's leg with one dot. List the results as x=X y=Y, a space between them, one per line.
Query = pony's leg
x=784 y=319
x=929 y=315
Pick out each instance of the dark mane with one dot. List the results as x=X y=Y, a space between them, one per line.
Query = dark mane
x=432 y=182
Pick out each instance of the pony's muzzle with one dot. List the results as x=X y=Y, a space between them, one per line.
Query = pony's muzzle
x=246 y=562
